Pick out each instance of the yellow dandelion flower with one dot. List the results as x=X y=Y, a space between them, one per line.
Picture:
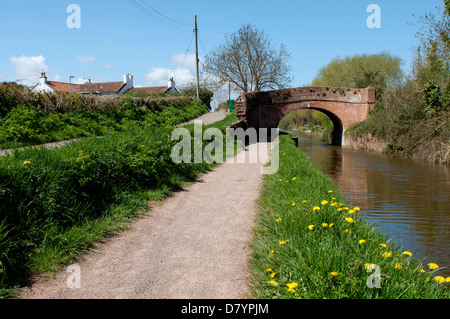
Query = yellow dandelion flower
x=273 y=274
x=27 y=162
x=329 y=192
x=304 y=202
x=346 y=231
x=339 y=209
x=273 y=282
x=369 y=266
x=345 y=208
x=280 y=180
x=278 y=220
x=268 y=269
x=293 y=204
x=331 y=225
x=351 y=211
x=272 y=251
x=421 y=270
x=316 y=208
x=356 y=208
x=447 y=279
x=439 y=279
x=292 y=286
x=324 y=225
x=398 y=265
x=386 y=254
x=383 y=245
x=362 y=241
x=294 y=178
x=287 y=181
x=324 y=202
x=432 y=266
x=311 y=227
x=349 y=220
x=406 y=253
x=334 y=274
x=334 y=204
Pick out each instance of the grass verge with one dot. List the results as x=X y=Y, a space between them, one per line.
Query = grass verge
x=310 y=244
x=56 y=203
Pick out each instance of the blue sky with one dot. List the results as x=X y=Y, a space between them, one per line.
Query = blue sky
x=116 y=38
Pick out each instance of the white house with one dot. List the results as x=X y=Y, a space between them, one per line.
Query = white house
x=100 y=88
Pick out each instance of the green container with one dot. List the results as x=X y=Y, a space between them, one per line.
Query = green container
x=231 y=105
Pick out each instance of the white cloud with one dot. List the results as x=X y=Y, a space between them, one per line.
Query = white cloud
x=28 y=68
x=160 y=76
x=183 y=60
x=87 y=59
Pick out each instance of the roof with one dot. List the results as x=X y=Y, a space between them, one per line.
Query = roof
x=102 y=87
x=151 y=89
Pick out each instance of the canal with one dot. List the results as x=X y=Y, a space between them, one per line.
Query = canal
x=407 y=200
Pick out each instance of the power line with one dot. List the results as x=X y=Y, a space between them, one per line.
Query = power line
x=163 y=19
x=184 y=57
x=166 y=17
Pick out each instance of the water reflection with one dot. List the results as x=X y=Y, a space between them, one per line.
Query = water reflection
x=408 y=200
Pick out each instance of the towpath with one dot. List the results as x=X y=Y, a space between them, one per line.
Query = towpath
x=193 y=245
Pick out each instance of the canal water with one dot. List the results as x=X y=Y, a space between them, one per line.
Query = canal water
x=408 y=200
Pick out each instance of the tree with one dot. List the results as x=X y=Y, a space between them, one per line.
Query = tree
x=249 y=61
x=360 y=71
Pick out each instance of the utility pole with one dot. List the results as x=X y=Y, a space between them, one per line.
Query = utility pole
x=196 y=58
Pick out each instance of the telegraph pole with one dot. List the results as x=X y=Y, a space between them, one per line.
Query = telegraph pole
x=196 y=58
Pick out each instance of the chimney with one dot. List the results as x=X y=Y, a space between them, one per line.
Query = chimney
x=43 y=78
x=128 y=80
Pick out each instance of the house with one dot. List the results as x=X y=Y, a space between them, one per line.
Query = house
x=100 y=88
x=170 y=88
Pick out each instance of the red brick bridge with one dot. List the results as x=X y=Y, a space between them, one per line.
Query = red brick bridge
x=344 y=106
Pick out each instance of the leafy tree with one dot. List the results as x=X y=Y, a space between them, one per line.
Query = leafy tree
x=248 y=60
x=360 y=71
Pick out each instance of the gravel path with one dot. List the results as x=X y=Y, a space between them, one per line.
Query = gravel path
x=192 y=245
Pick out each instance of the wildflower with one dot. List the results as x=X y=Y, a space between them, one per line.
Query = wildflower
x=447 y=279
x=293 y=204
x=282 y=242
x=346 y=231
x=406 y=253
x=421 y=270
x=334 y=204
x=324 y=225
x=349 y=220
x=280 y=180
x=278 y=220
x=311 y=227
x=324 y=202
x=339 y=209
x=383 y=245
x=268 y=269
x=386 y=255
x=356 y=209
x=329 y=192
x=362 y=241
x=369 y=266
x=439 y=279
x=287 y=181
x=294 y=178
x=316 y=208
x=273 y=274
x=304 y=202
x=351 y=211
x=345 y=208
x=432 y=266
x=292 y=286
x=331 y=225
x=272 y=251
x=27 y=162
x=398 y=265
x=334 y=274
x=273 y=282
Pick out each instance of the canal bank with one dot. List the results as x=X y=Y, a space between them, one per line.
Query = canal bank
x=311 y=242
x=407 y=199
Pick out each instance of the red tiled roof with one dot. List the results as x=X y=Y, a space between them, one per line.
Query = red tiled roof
x=102 y=87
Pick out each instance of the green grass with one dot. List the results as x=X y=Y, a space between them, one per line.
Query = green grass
x=327 y=261
x=55 y=203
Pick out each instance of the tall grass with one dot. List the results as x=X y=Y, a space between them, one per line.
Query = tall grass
x=311 y=244
x=54 y=203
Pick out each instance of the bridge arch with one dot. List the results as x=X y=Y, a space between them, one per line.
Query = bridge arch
x=344 y=106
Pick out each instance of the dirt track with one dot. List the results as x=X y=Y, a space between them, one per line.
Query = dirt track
x=193 y=245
